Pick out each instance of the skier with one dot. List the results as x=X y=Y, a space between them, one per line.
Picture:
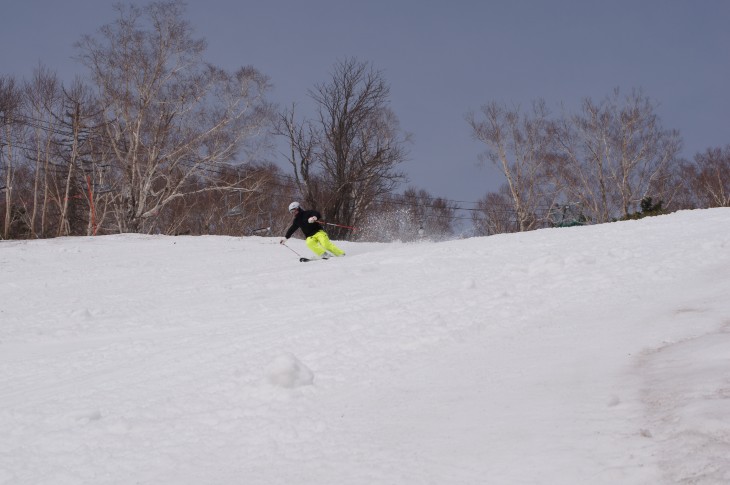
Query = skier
x=317 y=239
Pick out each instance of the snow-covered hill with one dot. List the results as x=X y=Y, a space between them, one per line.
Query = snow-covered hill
x=566 y=356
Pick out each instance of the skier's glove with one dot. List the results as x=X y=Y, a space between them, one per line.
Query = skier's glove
x=312 y=219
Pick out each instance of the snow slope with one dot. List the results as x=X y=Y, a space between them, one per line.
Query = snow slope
x=565 y=356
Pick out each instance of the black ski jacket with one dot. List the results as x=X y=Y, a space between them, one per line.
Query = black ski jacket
x=301 y=222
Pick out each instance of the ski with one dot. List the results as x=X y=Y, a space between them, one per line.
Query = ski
x=306 y=260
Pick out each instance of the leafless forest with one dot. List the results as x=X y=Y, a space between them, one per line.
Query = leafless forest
x=156 y=140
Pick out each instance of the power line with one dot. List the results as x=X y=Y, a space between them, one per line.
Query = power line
x=288 y=181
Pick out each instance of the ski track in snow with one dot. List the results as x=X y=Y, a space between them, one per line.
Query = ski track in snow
x=572 y=356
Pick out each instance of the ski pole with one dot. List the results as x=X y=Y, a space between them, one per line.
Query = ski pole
x=338 y=225
x=290 y=249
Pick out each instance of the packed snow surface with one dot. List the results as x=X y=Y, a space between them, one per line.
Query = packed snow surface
x=588 y=355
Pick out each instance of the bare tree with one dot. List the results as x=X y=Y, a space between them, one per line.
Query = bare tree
x=613 y=154
x=169 y=119
x=410 y=216
x=64 y=228
x=228 y=212
x=44 y=108
x=348 y=156
x=11 y=136
x=434 y=216
x=303 y=139
x=495 y=214
x=708 y=178
x=82 y=161
x=517 y=144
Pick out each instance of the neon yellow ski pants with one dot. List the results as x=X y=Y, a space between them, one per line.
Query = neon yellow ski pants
x=320 y=242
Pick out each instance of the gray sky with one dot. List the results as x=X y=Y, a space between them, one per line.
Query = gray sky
x=441 y=59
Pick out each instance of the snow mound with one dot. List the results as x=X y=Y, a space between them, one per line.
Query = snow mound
x=289 y=372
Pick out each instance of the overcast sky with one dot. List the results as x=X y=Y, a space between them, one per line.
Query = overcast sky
x=441 y=59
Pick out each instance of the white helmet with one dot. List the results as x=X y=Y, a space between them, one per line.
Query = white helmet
x=293 y=205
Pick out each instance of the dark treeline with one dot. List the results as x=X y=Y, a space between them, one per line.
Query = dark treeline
x=158 y=141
